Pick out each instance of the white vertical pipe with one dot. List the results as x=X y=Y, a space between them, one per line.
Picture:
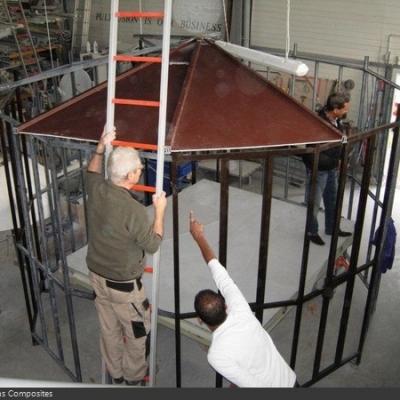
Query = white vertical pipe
x=112 y=64
x=162 y=119
x=246 y=10
x=140 y=19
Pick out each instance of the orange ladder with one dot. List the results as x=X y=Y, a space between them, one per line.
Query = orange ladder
x=161 y=103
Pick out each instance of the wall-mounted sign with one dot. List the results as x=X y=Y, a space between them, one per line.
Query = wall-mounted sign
x=205 y=16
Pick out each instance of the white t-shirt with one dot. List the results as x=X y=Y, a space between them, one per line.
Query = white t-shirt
x=241 y=350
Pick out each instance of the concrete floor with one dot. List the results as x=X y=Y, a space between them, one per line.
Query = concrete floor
x=380 y=366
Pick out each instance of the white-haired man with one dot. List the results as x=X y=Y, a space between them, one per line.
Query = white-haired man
x=120 y=233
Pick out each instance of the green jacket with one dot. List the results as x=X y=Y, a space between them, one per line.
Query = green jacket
x=119 y=230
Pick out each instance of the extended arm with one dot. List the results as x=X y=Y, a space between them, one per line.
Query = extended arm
x=197 y=231
x=233 y=296
x=96 y=162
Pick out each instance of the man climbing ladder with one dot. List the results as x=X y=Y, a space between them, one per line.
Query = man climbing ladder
x=119 y=235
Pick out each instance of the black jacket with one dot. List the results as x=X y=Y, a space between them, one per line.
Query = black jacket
x=328 y=159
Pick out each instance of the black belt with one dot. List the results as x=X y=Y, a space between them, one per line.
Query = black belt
x=124 y=286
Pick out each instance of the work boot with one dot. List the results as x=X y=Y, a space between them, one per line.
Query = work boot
x=316 y=239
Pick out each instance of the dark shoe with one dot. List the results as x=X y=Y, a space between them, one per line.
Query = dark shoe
x=135 y=383
x=341 y=233
x=316 y=239
x=118 y=381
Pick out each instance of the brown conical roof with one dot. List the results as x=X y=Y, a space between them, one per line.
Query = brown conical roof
x=214 y=102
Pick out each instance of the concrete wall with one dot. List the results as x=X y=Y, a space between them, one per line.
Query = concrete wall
x=349 y=29
x=340 y=29
x=190 y=17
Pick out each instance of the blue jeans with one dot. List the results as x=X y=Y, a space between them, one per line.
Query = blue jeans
x=327 y=190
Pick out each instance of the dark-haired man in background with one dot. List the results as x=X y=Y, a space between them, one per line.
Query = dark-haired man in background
x=241 y=350
x=334 y=112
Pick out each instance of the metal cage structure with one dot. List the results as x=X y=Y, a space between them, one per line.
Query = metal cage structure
x=44 y=169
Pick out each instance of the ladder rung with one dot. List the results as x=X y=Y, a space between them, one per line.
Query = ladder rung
x=138 y=14
x=143 y=188
x=142 y=146
x=130 y=102
x=137 y=59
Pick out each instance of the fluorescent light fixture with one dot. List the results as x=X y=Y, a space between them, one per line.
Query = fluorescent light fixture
x=288 y=65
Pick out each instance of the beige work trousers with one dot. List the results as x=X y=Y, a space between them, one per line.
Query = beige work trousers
x=125 y=328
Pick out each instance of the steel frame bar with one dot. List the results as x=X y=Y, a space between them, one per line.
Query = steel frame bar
x=304 y=261
x=28 y=261
x=264 y=237
x=362 y=203
x=328 y=289
x=20 y=234
x=30 y=302
x=175 y=227
x=223 y=226
x=29 y=244
x=44 y=253
x=64 y=265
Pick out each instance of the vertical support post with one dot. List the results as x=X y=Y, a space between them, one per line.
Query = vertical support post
x=247 y=6
x=328 y=289
x=112 y=68
x=42 y=243
x=194 y=172
x=264 y=237
x=360 y=127
x=20 y=187
x=19 y=232
x=175 y=227
x=223 y=212
x=64 y=162
x=340 y=76
x=304 y=263
x=45 y=148
x=65 y=269
x=223 y=226
x=82 y=178
x=28 y=295
x=140 y=26
x=28 y=183
x=315 y=85
x=355 y=248
x=162 y=120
